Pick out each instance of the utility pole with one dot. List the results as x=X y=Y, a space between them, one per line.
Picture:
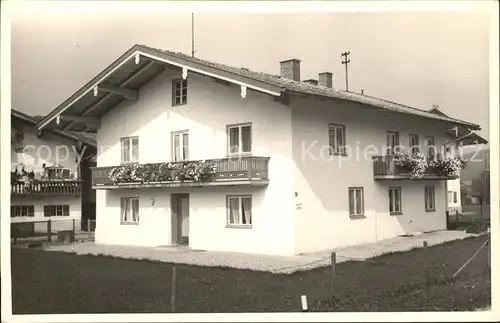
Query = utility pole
x=346 y=61
x=192 y=34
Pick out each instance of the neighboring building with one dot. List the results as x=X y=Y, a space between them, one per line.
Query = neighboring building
x=46 y=179
x=287 y=177
x=464 y=137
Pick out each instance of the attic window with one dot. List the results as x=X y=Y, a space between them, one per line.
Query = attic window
x=179 y=92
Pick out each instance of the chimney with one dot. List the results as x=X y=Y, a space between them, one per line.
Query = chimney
x=326 y=79
x=290 y=69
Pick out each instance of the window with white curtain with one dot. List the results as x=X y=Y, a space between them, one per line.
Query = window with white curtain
x=130 y=150
x=129 y=210
x=356 y=207
x=239 y=211
x=336 y=139
x=180 y=142
x=392 y=141
x=430 y=205
x=395 y=200
x=240 y=139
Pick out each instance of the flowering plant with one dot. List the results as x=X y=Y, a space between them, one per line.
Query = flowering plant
x=414 y=164
x=449 y=166
x=195 y=171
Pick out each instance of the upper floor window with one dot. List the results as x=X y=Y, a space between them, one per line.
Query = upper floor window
x=392 y=139
x=180 y=143
x=356 y=204
x=22 y=210
x=336 y=139
x=179 y=92
x=240 y=138
x=130 y=150
x=429 y=146
x=414 y=145
x=430 y=205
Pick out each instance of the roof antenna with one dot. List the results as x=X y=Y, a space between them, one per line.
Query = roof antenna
x=192 y=34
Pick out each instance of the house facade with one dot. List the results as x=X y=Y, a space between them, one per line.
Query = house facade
x=46 y=181
x=218 y=158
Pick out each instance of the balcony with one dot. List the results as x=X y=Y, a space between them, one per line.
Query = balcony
x=47 y=188
x=385 y=169
x=221 y=172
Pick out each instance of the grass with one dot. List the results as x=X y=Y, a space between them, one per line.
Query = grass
x=418 y=280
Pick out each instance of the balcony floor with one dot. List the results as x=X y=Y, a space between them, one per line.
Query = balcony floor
x=232 y=182
x=407 y=177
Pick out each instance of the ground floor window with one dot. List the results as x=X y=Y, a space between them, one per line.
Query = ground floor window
x=239 y=211
x=22 y=210
x=356 y=204
x=395 y=200
x=55 y=210
x=129 y=210
x=430 y=199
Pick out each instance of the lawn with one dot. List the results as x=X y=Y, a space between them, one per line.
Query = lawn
x=57 y=282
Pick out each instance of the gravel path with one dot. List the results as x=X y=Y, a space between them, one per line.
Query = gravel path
x=276 y=264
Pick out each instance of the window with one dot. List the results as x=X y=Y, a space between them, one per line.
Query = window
x=22 y=210
x=179 y=92
x=429 y=144
x=130 y=150
x=336 y=139
x=240 y=138
x=414 y=146
x=239 y=211
x=129 y=210
x=450 y=197
x=55 y=210
x=356 y=201
x=455 y=196
x=395 y=200
x=57 y=172
x=429 y=199
x=392 y=142
x=180 y=146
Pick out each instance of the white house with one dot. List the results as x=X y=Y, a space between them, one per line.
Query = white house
x=46 y=181
x=272 y=165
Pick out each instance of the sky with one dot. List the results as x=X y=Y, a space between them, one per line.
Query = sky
x=414 y=58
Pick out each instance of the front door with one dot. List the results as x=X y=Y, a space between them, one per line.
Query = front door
x=180 y=219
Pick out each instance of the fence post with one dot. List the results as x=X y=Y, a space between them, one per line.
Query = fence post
x=174 y=289
x=303 y=300
x=333 y=257
x=49 y=230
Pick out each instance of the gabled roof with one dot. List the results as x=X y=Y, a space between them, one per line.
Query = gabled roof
x=469 y=137
x=85 y=138
x=141 y=64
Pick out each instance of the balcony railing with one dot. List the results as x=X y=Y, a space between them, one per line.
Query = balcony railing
x=228 y=171
x=384 y=168
x=47 y=187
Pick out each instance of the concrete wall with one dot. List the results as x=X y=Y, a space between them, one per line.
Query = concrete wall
x=211 y=106
x=322 y=181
